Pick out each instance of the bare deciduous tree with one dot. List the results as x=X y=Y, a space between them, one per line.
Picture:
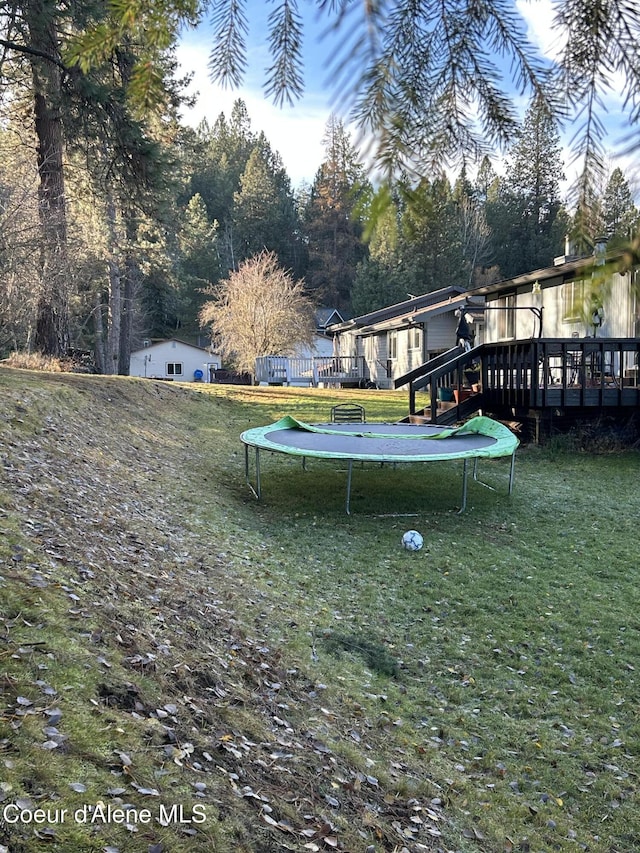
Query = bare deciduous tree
x=260 y=310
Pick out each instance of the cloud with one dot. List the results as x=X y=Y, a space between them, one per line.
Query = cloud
x=538 y=16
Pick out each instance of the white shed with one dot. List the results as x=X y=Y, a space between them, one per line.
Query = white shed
x=174 y=360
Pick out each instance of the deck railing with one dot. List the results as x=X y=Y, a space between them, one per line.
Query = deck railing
x=316 y=370
x=538 y=373
x=561 y=372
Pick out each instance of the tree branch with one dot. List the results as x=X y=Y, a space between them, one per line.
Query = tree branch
x=32 y=51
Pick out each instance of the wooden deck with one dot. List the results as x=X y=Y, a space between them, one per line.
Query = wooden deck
x=326 y=371
x=539 y=380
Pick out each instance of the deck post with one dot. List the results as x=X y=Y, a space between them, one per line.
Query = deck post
x=412 y=399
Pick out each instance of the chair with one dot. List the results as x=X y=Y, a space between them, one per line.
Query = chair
x=348 y=413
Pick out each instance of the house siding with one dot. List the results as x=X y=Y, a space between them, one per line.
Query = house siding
x=555 y=297
x=433 y=314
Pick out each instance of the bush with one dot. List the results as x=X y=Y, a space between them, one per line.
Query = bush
x=35 y=361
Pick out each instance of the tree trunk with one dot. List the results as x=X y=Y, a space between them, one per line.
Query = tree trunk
x=126 y=327
x=131 y=281
x=52 y=322
x=115 y=290
x=99 y=355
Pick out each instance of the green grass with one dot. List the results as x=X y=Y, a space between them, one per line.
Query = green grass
x=490 y=678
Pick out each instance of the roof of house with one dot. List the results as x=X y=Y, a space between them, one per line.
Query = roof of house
x=414 y=310
x=328 y=317
x=563 y=269
x=156 y=343
x=419 y=316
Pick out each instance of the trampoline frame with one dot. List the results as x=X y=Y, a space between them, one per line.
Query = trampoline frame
x=506 y=444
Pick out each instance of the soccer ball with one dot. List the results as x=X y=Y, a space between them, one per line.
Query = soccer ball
x=412 y=540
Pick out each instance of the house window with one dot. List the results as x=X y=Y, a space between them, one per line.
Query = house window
x=174 y=368
x=415 y=337
x=572 y=301
x=506 y=320
x=393 y=345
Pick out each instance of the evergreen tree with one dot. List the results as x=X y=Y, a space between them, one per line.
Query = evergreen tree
x=432 y=251
x=333 y=223
x=473 y=227
x=380 y=278
x=35 y=33
x=620 y=215
x=486 y=190
x=246 y=189
x=529 y=222
x=264 y=214
x=19 y=238
x=426 y=81
x=487 y=183
x=131 y=175
x=85 y=110
x=198 y=265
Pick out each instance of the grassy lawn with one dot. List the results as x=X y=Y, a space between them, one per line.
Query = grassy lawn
x=292 y=669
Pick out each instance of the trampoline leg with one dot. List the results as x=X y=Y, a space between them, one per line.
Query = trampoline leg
x=512 y=472
x=349 y=472
x=256 y=491
x=475 y=468
x=463 y=504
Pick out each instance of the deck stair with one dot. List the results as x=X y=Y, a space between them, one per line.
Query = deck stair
x=446 y=371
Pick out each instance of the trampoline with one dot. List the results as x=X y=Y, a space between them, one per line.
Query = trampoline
x=480 y=437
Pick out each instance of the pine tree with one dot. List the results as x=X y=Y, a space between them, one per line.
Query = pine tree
x=380 y=278
x=425 y=81
x=333 y=225
x=199 y=265
x=473 y=227
x=432 y=251
x=529 y=222
x=620 y=215
x=264 y=214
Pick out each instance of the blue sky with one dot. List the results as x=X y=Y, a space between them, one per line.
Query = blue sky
x=296 y=131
